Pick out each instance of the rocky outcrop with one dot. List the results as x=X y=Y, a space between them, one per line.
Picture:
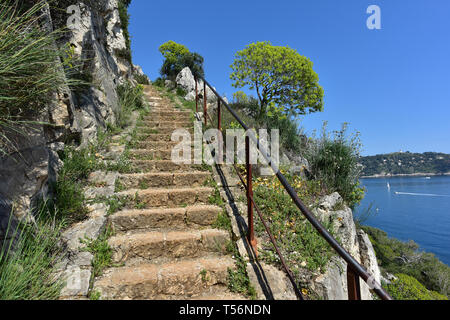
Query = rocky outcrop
x=333 y=284
x=95 y=39
x=185 y=80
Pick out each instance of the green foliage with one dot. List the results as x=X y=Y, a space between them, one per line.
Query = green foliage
x=28 y=271
x=238 y=280
x=222 y=222
x=172 y=50
x=130 y=98
x=125 y=20
x=101 y=250
x=281 y=76
x=406 y=163
x=395 y=256
x=141 y=79
x=296 y=238
x=334 y=161
x=29 y=73
x=239 y=97
x=115 y=204
x=159 y=82
x=181 y=92
x=408 y=288
x=247 y=108
x=177 y=57
x=216 y=198
x=69 y=203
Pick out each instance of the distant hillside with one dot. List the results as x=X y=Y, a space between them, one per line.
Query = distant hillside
x=400 y=163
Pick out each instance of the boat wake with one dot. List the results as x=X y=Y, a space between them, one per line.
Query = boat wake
x=422 y=194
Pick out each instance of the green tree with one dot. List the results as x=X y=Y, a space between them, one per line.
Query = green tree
x=177 y=57
x=281 y=76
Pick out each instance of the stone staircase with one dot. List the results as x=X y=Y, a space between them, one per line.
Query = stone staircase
x=166 y=249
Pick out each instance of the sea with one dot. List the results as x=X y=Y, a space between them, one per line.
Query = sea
x=411 y=208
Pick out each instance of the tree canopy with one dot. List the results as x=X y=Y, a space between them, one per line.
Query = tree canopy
x=177 y=57
x=284 y=80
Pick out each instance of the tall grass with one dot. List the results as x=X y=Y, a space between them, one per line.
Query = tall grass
x=27 y=270
x=28 y=73
x=130 y=98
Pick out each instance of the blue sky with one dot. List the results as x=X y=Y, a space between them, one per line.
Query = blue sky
x=392 y=85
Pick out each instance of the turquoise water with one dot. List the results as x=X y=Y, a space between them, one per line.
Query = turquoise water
x=414 y=208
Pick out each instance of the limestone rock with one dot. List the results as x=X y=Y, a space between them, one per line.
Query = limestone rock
x=333 y=284
x=169 y=84
x=186 y=81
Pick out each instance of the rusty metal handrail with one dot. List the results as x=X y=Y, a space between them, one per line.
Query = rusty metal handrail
x=355 y=270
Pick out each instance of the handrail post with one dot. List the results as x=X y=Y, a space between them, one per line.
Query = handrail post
x=204 y=103
x=219 y=127
x=219 y=116
x=196 y=95
x=353 y=285
x=251 y=229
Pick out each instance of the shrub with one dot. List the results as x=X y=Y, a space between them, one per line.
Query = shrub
x=395 y=256
x=408 y=288
x=334 y=161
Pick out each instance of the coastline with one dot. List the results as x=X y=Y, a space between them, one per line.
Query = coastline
x=419 y=174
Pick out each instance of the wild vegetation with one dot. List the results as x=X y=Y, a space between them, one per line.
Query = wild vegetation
x=27 y=265
x=29 y=74
x=420 y=275
x=28 y=269
x=406 y=163
x=334 y=162
x=301 y=245
x=176 y=58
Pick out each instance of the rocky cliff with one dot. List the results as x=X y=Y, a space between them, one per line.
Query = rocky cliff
x=333 y=284
x=95 y=38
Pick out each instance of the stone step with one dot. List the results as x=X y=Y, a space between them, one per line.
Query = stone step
x=217 y=295
x=174 y=197
x=163 y=179
x=164 y=130
x=177 y=279
x=166 y=124
x=167 y=113
x=193 y=217
x=155 y=144
x=164 y=165
x=157 y=246
x=154 y=154
x=171 y=116
x=161 y=134
x=168 y=120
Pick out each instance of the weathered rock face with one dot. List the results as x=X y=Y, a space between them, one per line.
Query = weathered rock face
x=96 y=38
x=185 y=80
x=333 y=284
